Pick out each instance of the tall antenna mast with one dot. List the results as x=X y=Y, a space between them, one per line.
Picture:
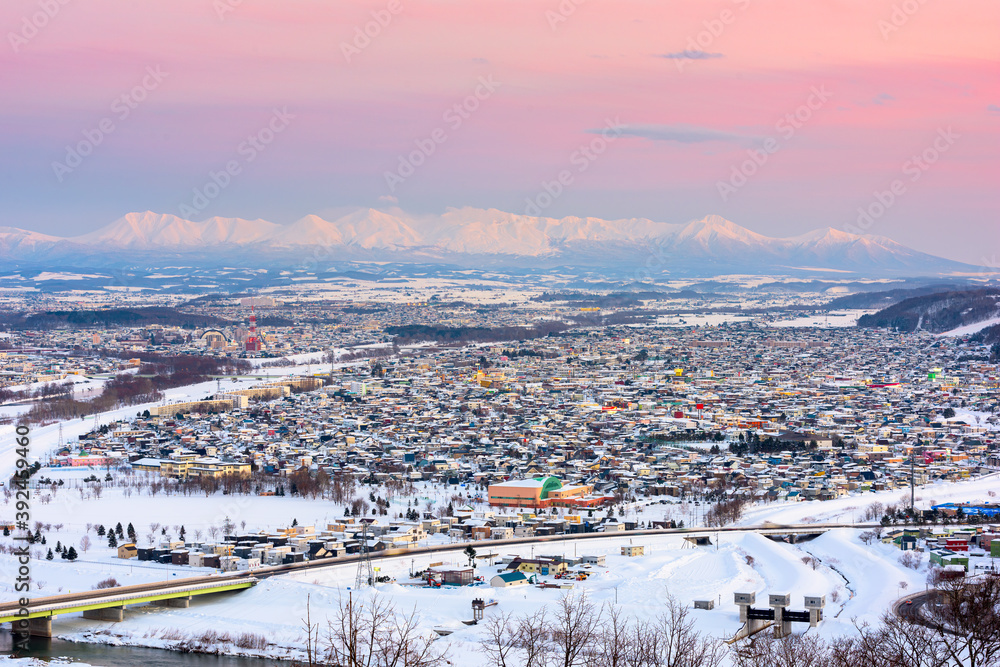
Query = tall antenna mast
x=366 y=575
x=252 y=344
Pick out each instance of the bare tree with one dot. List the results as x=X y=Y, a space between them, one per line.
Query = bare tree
x=614 y=645
x=797 y=650
x=533 y=639
x=372 y=634
x=501 y=640
x=312 y=634
x=575 y=628
x=679 y=644
x=897 y=642
x=85 y=543
x=966 y=618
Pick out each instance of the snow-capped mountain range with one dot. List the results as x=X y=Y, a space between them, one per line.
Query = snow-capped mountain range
x=461 y=235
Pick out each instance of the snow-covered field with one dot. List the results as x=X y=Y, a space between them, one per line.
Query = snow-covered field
x=849 y=508
x=969 y=329
x=846 y=318
x=860 y=582
x=276 y=607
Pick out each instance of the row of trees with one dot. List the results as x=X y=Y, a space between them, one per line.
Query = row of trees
x=959 y=630
x=156 y=373
x=47 y=390
x=578 y=633
x=726 y=511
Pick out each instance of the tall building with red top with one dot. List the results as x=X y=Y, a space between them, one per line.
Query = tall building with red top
x=253 y=342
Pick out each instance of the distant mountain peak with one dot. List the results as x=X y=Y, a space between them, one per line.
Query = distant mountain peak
x=488 y=234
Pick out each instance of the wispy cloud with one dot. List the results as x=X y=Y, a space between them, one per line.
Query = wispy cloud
x=690 y=54
x=993 y=109
x=684 y=134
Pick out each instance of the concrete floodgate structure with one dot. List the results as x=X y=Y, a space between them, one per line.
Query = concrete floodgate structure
x=778 y=615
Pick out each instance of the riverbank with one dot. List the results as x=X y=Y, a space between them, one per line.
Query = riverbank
x=110 y=651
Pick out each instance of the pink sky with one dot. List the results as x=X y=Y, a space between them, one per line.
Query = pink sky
x=562 y=74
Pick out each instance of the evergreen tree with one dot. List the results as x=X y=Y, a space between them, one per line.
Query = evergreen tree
x=182 y=533
x=131 y=532
x=49 y=555
x=100 y=530
x=119 y=531
x=295 y=522
x=112 y=542
x=58 y=545
x=71 y=554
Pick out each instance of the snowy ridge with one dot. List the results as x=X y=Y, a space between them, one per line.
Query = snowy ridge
x=483 y=232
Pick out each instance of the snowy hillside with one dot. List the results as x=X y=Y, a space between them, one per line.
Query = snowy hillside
x=707 y=244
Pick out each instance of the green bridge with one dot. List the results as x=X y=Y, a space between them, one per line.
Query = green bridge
x=109 y=604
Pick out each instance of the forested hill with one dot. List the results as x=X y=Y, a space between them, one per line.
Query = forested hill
x=887 y=298
x=116 y=317
x=937 y=313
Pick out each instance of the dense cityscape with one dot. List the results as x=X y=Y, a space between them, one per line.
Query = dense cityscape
x=548 y=333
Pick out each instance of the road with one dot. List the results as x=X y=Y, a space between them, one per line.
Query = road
x=910 y=607
x=918 y=600
x=122 y=594
x=273 y=570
